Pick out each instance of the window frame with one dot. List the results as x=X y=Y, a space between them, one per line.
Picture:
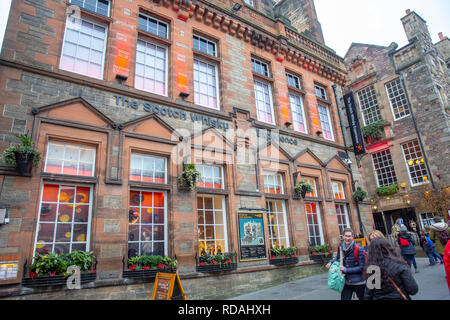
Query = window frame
x=376 y=106
x=277 y=225
x=159 y=21
x=323 y=92
x=55 y=223
x=166 y=223
x=391 y=171
x=330 y=122
x=262 y=63
x=166 y=66
x=290 y=75
x=269 y=88
x=216 y=70
x=319 y=220
x=132 y=153
x=296 y=113
x=105 y=42
x=208 y=41
x=224 y=217
x=408 y=166
x=96 y=4
x=276 y=177
x=398 y=85
x=222 y=180
x=309 y=179
x=343 y=214
x=340 y=187
x=80 y=146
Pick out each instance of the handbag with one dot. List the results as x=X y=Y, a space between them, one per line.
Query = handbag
x=336 y=279
x=398 y=289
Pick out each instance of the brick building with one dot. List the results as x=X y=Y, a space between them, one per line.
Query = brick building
x=120 y=95
x=403 y=91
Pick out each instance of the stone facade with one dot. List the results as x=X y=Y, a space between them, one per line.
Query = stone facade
x=419 y=69
x=111 y=116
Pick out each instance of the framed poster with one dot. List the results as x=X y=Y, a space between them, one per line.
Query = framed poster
x=252 y=245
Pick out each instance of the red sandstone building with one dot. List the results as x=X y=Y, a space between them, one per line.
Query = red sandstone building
x=120 y=95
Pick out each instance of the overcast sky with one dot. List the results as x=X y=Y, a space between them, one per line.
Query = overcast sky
x=364 y=21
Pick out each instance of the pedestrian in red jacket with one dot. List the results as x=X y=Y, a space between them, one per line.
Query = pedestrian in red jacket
x=447 y=262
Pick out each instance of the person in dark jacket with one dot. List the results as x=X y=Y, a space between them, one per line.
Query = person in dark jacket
x=351 y=268
x=393 y=269
x=408 y=251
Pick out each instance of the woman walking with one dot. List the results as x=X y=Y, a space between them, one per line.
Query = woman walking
x=396 y=279
x=407 y=244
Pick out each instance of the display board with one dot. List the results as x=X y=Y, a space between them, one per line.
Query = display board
x=252 y=244
x=168 y=287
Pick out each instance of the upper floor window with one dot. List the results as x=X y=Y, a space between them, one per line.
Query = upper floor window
x=338 y=190
x=325 y=121
x=206 y=84
x=384 y=168
x=84 y=48
x=369 y=105
x=99 y=6
x=298 y=112
x=415 y=162
x=151 y=67
x=144 y=168
x=154 y=26
x=212 y=176
x=72 y=159
x=320 y=92
x=273 y=183
x=260 y=67
x=249 y=2
x=397 y=98
x=293 y=81
x=204 y=45
x=264 y=104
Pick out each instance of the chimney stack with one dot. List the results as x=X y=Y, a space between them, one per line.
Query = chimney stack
x=441 y=36
x=408 y=11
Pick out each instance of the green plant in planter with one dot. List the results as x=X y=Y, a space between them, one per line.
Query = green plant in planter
x=387 y=190
x=359 y=195
x=302 y=188
x=321 y=250
x=49 y=264
x=24 y=151
x=82 y=259
x=374 y=130
x=189 y=177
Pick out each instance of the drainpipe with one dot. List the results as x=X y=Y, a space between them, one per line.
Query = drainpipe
x=391 y=56
x=361 y=227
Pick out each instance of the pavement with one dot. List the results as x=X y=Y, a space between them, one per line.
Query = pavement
x=431 y=281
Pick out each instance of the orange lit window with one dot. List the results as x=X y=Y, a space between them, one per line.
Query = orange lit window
x=212 y=227
x=273 y=183
x=312 y=182
x=64 y=218
x=314 y=224
x=212 y=176
x=147 y=232
x=278 y=230
x=148 y=168
x=338 y=190
x=72 y=159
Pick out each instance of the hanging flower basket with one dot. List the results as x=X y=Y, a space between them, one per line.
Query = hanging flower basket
x=188 y=178
x=302 y=188
x=23 y=157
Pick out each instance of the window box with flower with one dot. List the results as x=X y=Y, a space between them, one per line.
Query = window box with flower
x=283 y=256
x=147 y=266
x=50 y=269
x=208 y=262
x=321 y=253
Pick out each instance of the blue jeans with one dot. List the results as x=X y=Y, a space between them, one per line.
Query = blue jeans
x=436 y=256
x=410 y=258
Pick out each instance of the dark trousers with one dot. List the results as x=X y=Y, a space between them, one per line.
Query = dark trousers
x=348 y=290
x=409 y=258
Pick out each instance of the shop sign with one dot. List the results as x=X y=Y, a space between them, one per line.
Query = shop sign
x=353 y=122
x=171 y=112
x=9 y=266
x=252 y=244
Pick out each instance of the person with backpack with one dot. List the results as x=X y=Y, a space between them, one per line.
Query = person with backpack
x=396 y=279
x=430 y=249
x=440 y=234
x=407 y=248
x=354 y=260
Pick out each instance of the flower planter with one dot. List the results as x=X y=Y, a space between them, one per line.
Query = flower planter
x=278 y=261
x=216 y=267
x=57 y=280
x=320 y=257
x=146 y=274
x=24 y=162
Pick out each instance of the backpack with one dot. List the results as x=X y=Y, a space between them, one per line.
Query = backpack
x=404 y=242
x=356 y=252
x=444 y=237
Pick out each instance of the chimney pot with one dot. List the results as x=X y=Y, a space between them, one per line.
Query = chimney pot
x=441 y=36
x=408 y=11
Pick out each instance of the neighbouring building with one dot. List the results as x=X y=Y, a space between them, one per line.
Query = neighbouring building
x=120 y=96
x=402 y=94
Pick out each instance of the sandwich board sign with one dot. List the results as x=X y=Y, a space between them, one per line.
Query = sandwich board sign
x=168 y=287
